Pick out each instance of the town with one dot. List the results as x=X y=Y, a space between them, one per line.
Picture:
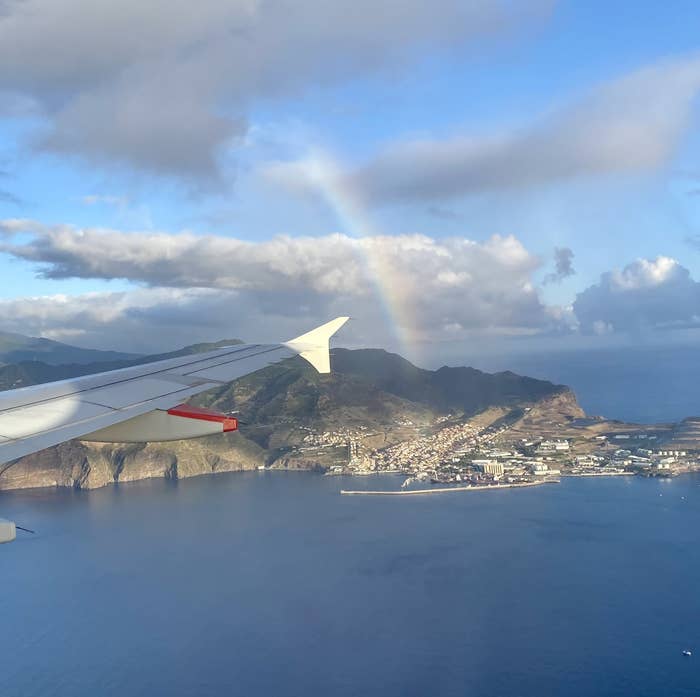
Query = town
x=483 y=452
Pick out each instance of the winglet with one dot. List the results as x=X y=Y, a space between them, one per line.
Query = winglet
x=314 y=345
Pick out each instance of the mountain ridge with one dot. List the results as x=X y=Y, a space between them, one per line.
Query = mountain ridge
x=15 y=348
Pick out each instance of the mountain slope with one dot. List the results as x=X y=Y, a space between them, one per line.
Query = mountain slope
x=15 y=348
x=465 y=389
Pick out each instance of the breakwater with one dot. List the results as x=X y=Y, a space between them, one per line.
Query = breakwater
x=446 y=489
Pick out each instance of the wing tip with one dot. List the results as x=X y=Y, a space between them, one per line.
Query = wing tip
x=313 y=346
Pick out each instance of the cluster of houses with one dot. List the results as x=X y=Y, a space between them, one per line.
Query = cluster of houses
x=459 y=453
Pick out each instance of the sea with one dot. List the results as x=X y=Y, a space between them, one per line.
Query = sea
x=640 y=384
x=274 y=584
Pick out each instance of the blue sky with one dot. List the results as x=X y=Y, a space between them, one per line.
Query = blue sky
x=415 y=131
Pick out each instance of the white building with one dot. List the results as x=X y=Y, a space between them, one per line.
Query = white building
x=548 y=446
x=489 y=467
x=494 y=468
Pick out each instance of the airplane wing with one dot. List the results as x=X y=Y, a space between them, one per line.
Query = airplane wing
x=143 y=402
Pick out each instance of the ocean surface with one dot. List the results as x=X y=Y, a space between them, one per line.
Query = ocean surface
x=273 y=584
x=638 y=384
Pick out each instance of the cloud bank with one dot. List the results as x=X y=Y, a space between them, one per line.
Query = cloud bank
x=429 y=288
x=415 y=288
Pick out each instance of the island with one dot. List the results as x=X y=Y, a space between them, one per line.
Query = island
x=377 y=413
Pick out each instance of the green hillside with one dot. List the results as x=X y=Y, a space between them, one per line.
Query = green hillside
x=464 y=389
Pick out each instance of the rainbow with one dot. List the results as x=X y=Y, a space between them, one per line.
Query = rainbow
x=388 y=283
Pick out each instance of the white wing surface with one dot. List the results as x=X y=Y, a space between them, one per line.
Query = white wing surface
x=37 y=417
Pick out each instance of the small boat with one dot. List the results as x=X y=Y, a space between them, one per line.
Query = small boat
x=687 y=652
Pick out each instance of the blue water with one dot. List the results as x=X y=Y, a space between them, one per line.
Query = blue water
x=638 y=384
x=273 y=584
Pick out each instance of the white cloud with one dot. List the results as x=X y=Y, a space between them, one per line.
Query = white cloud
x=411 y=288
x=645 y=273
x=164 y=85
x=647 y=294
x=419 y=286
x=146 y=320
x=632 y=124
